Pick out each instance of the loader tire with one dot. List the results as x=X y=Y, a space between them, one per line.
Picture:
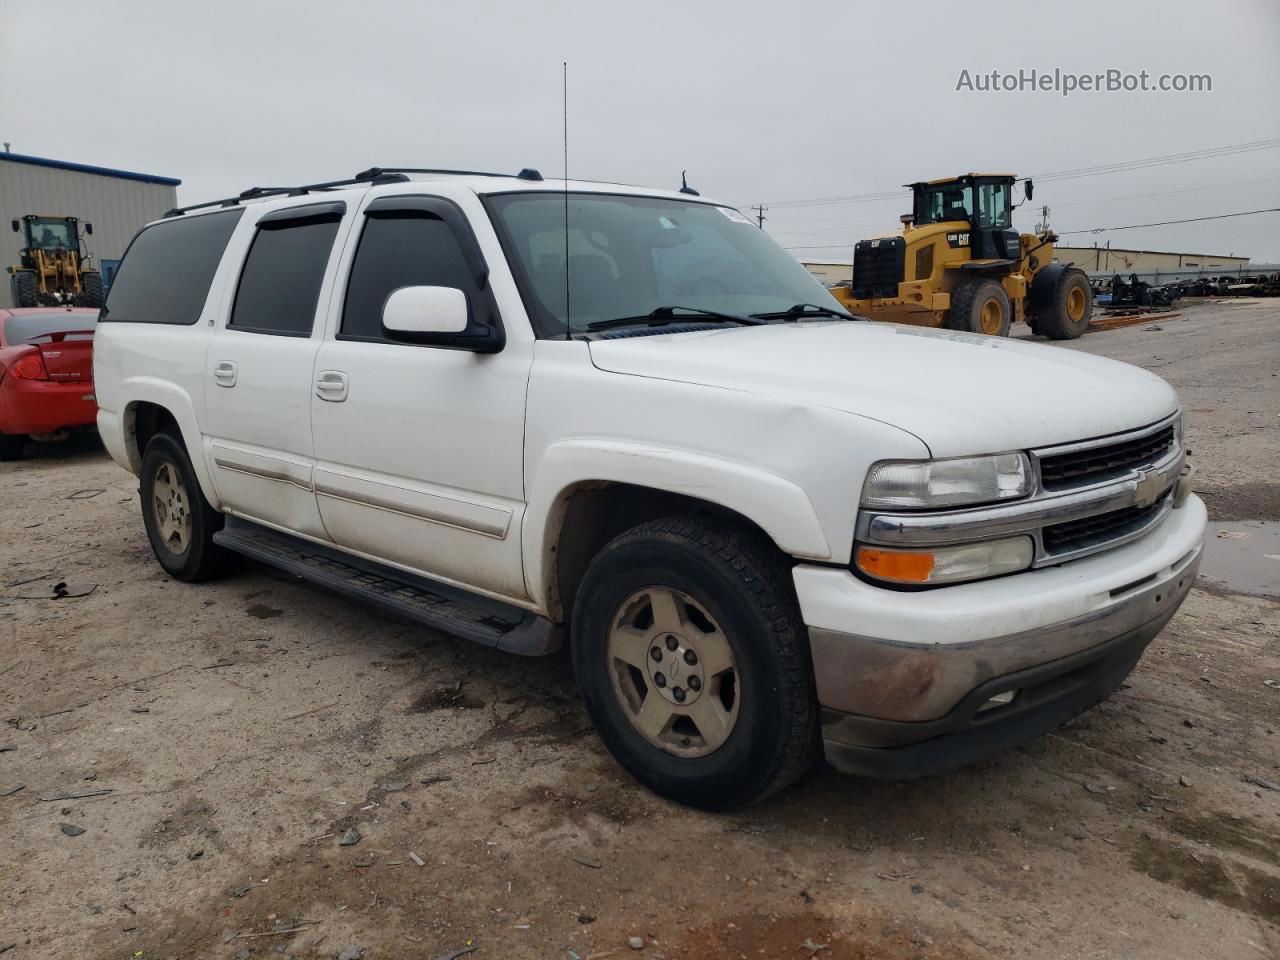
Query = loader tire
x=1060 y=303
x=26 y=293
x=91 y=280
x=980 y=306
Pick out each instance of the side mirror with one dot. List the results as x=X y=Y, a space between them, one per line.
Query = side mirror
x=88 y=228
x=14 y=224
x=1031 y=189
x=419 y=313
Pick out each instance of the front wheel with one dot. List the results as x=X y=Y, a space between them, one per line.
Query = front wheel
x=1061 y=303
x=180 y=522
x=980 y=306
x=693 y=662
x=92 y=295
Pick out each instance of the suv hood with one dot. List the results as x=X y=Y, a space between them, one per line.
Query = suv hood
x=959 y=393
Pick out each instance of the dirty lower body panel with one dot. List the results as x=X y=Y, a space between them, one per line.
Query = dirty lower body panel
x=1014 y=706
x=428 y=602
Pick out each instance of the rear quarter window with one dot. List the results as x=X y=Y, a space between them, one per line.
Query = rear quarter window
x=166 y=272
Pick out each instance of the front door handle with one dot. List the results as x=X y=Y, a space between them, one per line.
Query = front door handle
x=331 y=385
x=224 y=373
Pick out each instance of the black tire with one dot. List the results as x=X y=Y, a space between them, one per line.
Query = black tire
x=1061 y=303
x=91 y=281
x=974 y=300
x=195 y=556
x=26 y=292
x=743 y=584
x=11 y=445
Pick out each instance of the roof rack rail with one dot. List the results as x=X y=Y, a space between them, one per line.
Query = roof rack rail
x=257 y=193
x=528 y=173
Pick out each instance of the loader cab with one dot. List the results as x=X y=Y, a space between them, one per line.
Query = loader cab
x=983 y=201
x=49 y=233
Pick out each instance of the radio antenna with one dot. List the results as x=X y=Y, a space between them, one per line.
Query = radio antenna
x=564 y=66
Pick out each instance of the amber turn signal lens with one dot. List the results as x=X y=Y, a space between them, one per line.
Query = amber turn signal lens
x=898 y=566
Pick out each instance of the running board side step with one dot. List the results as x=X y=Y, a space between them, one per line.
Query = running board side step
x=428 y=602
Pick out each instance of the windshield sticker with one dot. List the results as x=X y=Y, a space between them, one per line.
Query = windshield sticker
x=666 y=224
x=735 y=215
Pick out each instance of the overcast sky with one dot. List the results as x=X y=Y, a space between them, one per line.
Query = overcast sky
x=759 y=101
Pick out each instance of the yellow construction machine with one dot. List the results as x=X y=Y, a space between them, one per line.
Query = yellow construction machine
x=53 y=266
x=958 y=263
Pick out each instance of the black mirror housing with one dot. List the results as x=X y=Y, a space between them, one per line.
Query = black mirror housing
x=477 y=338
x=88 y=228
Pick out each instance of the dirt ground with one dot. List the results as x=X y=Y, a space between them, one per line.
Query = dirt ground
x=216 y=743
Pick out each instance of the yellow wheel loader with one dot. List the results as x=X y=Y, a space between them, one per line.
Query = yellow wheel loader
x=958 y=263
x=53 y=266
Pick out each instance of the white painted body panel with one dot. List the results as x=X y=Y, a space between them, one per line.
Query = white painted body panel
x=960 y=393
x=421 y=465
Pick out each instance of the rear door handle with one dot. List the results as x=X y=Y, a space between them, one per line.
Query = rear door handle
x=224 y=373
x=331 y=385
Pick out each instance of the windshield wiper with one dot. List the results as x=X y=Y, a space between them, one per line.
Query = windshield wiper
x=801 y=310
x=662 y=316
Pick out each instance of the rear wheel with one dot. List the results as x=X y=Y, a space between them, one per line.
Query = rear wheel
x=1062 y=304
x=693 y=662
x=11 y=446
x=26 y=292
x=980 y=306
x=92 y=283
x=180 y=522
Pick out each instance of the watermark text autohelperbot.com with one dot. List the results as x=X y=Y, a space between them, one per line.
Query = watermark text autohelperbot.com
x=1065 y=83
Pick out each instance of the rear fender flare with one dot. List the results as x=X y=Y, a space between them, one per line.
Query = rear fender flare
x=164 y=393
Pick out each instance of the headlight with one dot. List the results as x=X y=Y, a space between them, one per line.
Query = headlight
x=914 y=484
x=930 y=565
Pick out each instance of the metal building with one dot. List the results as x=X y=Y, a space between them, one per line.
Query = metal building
x=116 y=202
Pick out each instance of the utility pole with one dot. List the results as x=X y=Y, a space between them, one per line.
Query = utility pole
x=1044 y=219
x=760 y=217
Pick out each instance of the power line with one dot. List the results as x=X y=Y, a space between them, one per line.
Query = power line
x=1165 y=223
x=1063 y=233
x=1120 y=166
x=1206 y=153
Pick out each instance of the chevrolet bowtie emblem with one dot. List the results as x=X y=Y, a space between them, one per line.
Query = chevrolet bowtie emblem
x=1149 y=488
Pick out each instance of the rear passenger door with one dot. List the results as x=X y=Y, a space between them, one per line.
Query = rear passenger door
x=419 y=459
x=260 y=366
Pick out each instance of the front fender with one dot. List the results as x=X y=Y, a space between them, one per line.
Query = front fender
x=777 y=505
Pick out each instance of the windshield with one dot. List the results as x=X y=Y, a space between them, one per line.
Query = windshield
x=48 y=234
x=629 y=256
x=22 y=327
x=945 y=202
x=953 y=201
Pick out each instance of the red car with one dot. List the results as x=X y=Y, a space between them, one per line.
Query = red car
x=46 y=374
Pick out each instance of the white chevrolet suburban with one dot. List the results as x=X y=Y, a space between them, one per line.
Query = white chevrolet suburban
x=530 y=412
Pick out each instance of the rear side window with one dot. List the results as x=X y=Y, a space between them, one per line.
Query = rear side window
x=401 y=250
x=280 y=283
x=166 y=272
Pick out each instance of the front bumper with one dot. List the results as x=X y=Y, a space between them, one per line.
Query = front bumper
x=903 y=678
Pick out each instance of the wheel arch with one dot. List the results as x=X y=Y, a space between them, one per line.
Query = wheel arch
x=161 y=407
x=579 y=506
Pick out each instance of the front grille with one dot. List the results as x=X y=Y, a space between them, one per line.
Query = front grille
x=1097 y=464
x=878 y=267
x=1062 y=538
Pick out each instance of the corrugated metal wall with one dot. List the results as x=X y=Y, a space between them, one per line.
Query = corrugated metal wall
x=115 y=207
